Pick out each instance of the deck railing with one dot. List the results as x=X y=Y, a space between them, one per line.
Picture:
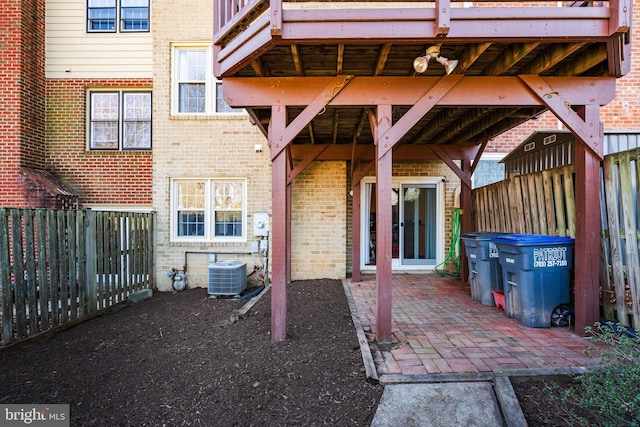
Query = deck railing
x=544 y=203
x=59 y=266
x=234 y=16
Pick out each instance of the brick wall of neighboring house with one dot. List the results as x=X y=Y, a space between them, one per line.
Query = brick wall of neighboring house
x=99 y=177
x=21 y=94
x=619 y=115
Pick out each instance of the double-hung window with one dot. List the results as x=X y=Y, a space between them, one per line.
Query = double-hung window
x=103 y=15
x=194 y=88
x=119 y=120
x=208 y=209
x=193 y=80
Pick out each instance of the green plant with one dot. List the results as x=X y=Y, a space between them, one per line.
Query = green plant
x=610 y=393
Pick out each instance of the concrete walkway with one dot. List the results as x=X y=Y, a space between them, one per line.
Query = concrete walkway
x=452 y=357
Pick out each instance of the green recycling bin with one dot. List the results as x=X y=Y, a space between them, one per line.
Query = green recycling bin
x=536 y=274
x=485 y=274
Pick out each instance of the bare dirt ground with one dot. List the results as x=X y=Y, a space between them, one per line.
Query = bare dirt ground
x=177 y=360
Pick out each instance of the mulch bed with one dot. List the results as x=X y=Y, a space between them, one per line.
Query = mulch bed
x=178 y=360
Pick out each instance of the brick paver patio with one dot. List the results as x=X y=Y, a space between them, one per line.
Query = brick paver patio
x=438 y=329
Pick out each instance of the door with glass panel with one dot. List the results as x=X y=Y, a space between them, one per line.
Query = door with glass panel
x=413 y=224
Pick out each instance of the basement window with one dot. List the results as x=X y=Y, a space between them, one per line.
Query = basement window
x=211 y=209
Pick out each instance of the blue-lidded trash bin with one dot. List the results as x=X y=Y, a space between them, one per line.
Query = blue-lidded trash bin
x=536 y=274
x=485 y=274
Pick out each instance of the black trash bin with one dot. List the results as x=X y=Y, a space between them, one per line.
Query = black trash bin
x=485 y=274
x=536 y=274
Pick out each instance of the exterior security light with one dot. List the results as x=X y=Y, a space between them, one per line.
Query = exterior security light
x=421 y=63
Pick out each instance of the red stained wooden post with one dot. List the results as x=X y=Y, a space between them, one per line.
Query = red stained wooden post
x=383 y=230
x=279 y=227
x=355 y=234
x=466 y=225
x=587 y=244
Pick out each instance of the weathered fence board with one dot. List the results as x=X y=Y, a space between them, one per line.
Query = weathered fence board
x=544 y=203
x=58 y=266
x=6 y=293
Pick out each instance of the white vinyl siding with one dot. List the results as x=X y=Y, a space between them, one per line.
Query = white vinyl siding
x=72 y=52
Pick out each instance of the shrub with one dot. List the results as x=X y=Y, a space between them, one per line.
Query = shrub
x=611 y=392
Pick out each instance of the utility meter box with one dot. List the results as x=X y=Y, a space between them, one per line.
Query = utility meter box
x=261 y=224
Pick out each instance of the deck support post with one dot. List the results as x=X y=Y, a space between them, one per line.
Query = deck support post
x=587 y=243
x=466 y=225
x=384 y=286
x=355 y=234
x=279 y=232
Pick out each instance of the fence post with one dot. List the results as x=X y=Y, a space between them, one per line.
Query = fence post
x=151 y=236
x=90 y=256
x=6 y=296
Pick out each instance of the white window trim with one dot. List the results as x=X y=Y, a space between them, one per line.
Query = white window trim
x=118 y=20
x=121 y=92
x=209 y=83
x=209 y=219
x=396 y=266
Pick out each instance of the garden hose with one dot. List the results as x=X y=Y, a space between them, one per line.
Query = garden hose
x=454 y=254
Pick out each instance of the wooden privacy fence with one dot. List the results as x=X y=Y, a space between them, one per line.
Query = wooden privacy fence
x=58 y=266
x=544 y=203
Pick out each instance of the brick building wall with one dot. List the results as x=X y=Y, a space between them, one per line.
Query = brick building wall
x=621 y=114
x=99 y=177
x=190 y=146
x=21 y=94
x=318 y=222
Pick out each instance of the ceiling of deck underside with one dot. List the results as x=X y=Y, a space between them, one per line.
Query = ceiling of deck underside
x=440 y=125
x=299 y=54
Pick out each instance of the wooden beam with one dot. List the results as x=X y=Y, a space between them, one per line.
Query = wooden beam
x=336 y=84
x=441 y=152
x=470 y=56
x=428 y=100
x=443 y=17
x=589 y=133
x=384 y=256
x=365 y=152
x=588 y=60
x=276 y=13
x=551 y=57
x=382 y=59
x=340 y=59
x=509 y=58
x=587 y=242
x=255 y=92
x=297 y=60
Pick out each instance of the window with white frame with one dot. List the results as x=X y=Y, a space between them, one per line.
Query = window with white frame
x=194 y=88
x=102 y=15
x=208 y=209
x=119 y=120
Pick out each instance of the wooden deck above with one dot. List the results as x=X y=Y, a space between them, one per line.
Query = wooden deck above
x=282 y=44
